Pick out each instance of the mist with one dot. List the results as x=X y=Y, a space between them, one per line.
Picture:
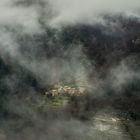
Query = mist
x=91 y=47
x=28 y=14
x=90 y=11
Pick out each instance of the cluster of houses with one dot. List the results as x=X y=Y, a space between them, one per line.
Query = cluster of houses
x=65 y=90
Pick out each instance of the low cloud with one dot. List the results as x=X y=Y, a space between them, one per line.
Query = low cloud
x=90 y=11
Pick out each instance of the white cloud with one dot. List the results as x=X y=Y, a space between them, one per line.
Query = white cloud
x=63 y=11
x=87 y=11
x=19 y=16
